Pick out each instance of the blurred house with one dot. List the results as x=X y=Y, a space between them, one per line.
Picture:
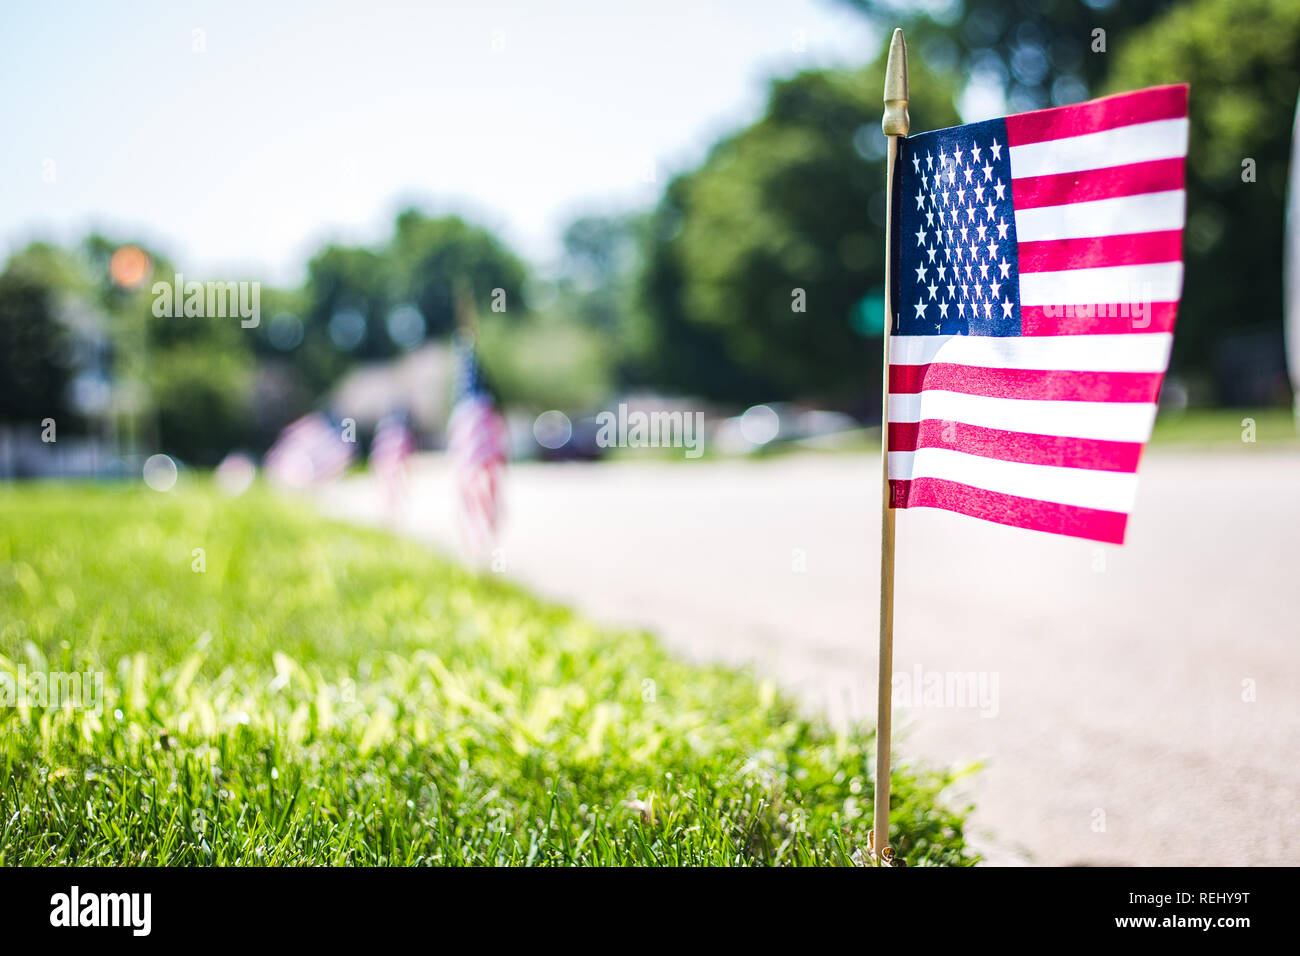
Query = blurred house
x=419 y=382
x=1251 y=369
x=91 y=424
x=24 y=455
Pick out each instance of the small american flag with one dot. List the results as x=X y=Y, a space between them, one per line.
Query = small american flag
x=1037 y=283
x=309 y=451
x=478 y=447
x=391 y=447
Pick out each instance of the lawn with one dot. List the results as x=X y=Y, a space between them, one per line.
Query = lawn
x=1196 y=429
x=1223 y=428
x=302 y=692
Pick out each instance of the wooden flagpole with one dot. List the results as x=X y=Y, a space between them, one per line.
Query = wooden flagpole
x=462 y=304
x=894 y=123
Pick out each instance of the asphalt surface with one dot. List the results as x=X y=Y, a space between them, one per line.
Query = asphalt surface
x=1129 y=705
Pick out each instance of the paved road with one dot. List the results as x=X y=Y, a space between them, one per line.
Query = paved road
x=1141 y=704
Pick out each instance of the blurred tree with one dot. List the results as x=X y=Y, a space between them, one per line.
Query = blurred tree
x=54 y=268
x=762 y=256
x=185 y=379
x=348 y=295
x=546 y=361
x=434 y=260
x=668 y=348
x=57 y=345
x=567 y=351
x=601 y=260
x=1242 y=58
x=363 y=304
x=188 y=385
x=68 y=331
x=34 y=352
x=594 y=295
x=202 y=392
x=1036 y=53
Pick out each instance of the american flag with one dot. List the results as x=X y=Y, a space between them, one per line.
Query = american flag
x=478 y=447
x=1037 y=284
x=392 y=445
x=309 y=451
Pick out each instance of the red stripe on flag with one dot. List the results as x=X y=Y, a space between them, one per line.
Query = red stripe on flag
x=1091 y=523
x=1125 y=109
x=1104 y=318
x=1155 y=176
x=1049 y=385
x=1058 y=450
x=1053 y=255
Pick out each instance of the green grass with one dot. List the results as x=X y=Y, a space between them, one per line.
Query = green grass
x=1197 y=429
x=327 y=695
x=1224 y=428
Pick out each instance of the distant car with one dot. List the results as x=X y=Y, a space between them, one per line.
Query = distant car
x=778 y=422
x=581 y=445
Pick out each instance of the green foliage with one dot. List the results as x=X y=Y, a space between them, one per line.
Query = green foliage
x=794 y=202
x=435 y=260
x=547 y=361
x=601 y=256
x=54 y=268
x=1038 y=52
x=1242 y=58
x=669 y=349
x=326 y=695
x=61 y=315
x=34 y=346
x=575 y=344
x=50 y=328
x=343 y=278
x=1224 y=429
x=210 y=385
x=203 y=397
x=440 y=266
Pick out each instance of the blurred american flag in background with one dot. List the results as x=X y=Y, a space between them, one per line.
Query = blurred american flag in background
x=477 y=443
x=390 y=449
x=310 y=450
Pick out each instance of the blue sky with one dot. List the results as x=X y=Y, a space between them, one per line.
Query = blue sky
x=240 y=148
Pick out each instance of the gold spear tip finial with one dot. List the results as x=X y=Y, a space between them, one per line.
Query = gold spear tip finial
x=896 y=122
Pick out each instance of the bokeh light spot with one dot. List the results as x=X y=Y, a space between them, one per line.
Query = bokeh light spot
x=160 y=473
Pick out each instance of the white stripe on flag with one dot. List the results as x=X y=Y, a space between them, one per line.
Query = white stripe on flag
x=1157 y=282
x=1137 y=143
x=1148 y=352
x=1120 y=215
x=1106 y=490
x=1106 y=421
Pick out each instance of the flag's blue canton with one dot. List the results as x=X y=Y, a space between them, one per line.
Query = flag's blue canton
x=958 y=271
x=469 y=379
